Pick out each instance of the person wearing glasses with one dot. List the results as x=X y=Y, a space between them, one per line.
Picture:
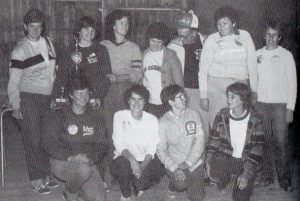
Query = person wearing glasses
x=181 y=145
x=161 y=67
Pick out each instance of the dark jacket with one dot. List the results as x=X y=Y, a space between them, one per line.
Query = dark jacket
x=219 y=142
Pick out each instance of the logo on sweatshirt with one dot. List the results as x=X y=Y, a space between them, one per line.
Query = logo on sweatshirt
x=190 y=128
x=72 y=129
x=87 y=130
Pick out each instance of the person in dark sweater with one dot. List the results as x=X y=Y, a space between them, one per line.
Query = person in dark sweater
x=74 y=136
x=85 y=58
x=236 y=143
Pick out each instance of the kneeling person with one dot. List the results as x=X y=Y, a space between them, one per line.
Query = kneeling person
x=75 y=139
x=181 y=144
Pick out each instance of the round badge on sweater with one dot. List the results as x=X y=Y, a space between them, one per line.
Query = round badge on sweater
x=72 y=129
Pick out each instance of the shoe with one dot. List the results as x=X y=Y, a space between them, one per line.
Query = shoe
x=67 y=197
x=51 y=183
x=140 y=193
x=39 y=187
x=171 y=194
x=125 y=199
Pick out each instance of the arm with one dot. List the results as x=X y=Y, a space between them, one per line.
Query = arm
x=291 y=77
x=136 y=65
x=118 y=132
x=176 y=70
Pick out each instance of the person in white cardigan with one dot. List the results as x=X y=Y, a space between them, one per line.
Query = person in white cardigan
x=276 y=93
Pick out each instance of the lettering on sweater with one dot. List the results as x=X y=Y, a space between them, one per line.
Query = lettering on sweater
x=154 y=67
x=87 y=130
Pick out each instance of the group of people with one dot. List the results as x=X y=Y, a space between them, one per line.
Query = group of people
x=192 y=108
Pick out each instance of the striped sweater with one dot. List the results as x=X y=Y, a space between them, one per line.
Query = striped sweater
x=219 y=142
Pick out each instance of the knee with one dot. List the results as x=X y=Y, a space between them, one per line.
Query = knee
x=179 y=185
x=84 y=170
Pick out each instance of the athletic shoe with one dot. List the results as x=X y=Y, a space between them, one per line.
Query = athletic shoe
x=171 y=194
x=125 y=199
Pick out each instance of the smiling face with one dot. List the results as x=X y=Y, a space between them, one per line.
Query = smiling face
x=136 y=103
x=121 y=26
x=155 y=44
x=234 y=101
x=34 y=30
x=272 y=38
x=225 y=26
x=80 y=97
x=87 y=34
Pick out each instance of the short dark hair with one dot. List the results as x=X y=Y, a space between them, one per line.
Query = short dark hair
x=110 y=22
x=78 y=83
x=84 y=22
x=227 y=11
x=242 y=90
x=158 y=30
x=34 y=15
x=169 y=93
x=274 y=24
x=137 y=89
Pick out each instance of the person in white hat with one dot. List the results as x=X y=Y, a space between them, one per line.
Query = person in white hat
x=188 y=45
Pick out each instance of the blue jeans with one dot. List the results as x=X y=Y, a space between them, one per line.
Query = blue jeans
x=276 y=139
x=80 y=178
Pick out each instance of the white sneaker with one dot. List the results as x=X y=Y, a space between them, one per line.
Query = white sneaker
x=140 y=193
x=171 y=194
x=125 y=199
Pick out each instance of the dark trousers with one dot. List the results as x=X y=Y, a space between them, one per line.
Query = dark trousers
x=222 y=168
x=121 y=170
x=277 y=142
x=34 y=108
x=194 y=183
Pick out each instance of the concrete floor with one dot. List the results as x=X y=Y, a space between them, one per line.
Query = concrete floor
x=17 y=186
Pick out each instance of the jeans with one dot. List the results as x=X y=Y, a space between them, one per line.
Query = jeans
x=34 y=108
x=194 y=183
x=221 y=170
x=276 y=139
x=80 y=178
x=120 y=168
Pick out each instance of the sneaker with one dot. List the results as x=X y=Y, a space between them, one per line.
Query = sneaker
x=39 y=187
x=140 y=193
x=50 y=183
x=171 y=194
x=125 y=199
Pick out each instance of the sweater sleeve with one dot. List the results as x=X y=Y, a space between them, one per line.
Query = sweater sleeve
x=162 y=149
x=251 y=62
x=52 y=131
x=177 y=70
x=151 y=149
x=291 y=77
x=117 y=135
x=136 y=65
x=204 y=65
x=198 y=145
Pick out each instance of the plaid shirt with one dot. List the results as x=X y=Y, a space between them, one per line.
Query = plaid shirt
x=219 y=140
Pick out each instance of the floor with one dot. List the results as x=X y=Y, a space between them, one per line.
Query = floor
x=17 y=186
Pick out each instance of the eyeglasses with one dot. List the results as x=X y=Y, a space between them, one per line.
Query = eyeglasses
x=181 y=96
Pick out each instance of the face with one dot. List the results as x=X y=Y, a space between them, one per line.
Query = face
x=272 y=38
x=225 y=26
x=234 y=101
x=81 y=97
x=155 y=44
x=136 y=103
x=179 y=101
x=184 y=32
x=34 y=30
x=87 y=34
x=122 y=26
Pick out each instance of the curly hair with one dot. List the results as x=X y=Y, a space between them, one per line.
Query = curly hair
x=83 y=22
x=110 y=22
x=227 y=11
x=159 y=31
x=137 y=89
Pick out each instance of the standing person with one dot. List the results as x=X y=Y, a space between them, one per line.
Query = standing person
x=181 y=145
x=74 y=136
x=276 y=93
x=85 y=58
x=188 y=46
x=161 y=67
x=135 y=139
x=236 y=143
x=228 y=56
x=125 y=57
x=31 y=77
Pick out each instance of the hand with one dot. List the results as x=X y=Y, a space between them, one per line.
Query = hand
x=81 y=158
x=16 y=113
x=204 y=104
x=112 y=77
x=136 y=169
x=242 y=181
x=289 y=116
x=179 y=175
x=253 y=98
x=53 y=105
x=207 y=167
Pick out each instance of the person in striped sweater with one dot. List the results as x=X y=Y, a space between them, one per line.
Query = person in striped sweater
x=235 y=144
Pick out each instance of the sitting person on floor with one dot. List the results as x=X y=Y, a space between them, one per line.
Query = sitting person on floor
x=236 y=143
x=135 y=137
x=181 y=144
x=74 y=136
